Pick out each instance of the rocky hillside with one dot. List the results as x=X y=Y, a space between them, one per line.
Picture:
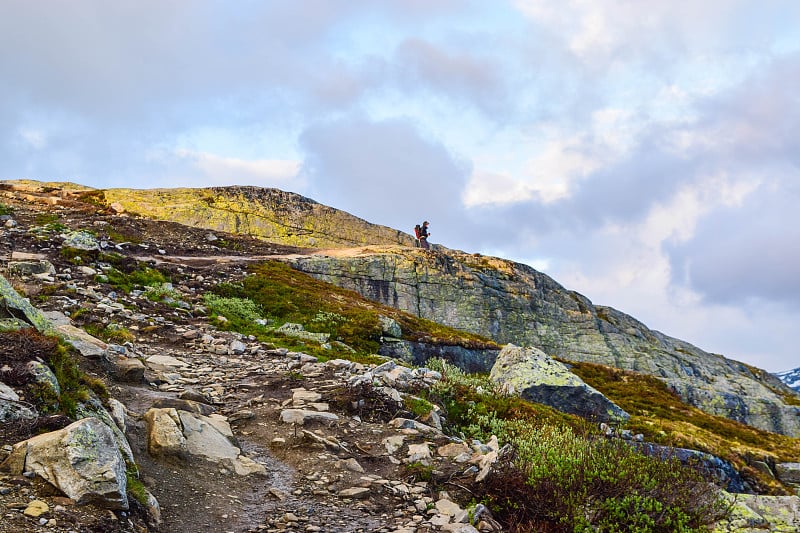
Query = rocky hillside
x=272 y=214
x=505 y=301
x=217 y=389
x=511 y=302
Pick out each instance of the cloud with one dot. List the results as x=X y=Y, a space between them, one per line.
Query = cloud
x=230 y=170
x=453 y=73
x=384 y=171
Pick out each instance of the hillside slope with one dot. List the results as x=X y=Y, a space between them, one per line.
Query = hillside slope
x=500 y=299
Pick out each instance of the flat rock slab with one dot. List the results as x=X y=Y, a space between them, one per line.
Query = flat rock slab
x=302 y=416
x=166 y=360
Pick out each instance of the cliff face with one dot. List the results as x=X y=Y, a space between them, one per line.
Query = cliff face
x=272 y=214
x=511 y=302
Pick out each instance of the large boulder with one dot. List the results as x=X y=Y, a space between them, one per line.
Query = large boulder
x=533 y=375
x=14 y=306
x=751 y=513
x=81 y=460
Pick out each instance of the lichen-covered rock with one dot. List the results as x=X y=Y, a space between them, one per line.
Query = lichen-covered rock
x=291 y=329
x=14 y=306
x=32 y=268
x=751 y=512
x=535 y=376
x=81 y=240
x=81 y=460
x=513 y=303
x=12 y=410
x=41 y=374
x=272 y=214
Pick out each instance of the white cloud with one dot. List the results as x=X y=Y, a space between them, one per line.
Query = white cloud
x=264 y=172
x=33 y=137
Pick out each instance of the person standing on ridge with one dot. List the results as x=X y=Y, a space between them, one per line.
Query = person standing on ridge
x=423 y=236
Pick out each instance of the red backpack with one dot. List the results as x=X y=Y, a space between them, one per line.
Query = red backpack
x=417 y=231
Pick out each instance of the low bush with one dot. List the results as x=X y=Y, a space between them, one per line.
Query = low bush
x=563 y=476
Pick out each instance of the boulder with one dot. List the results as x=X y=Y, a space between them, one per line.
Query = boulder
x=126 y=369
x=42 y=375
x=14 y=306
x=204 y=439
x=12 y=410
x=81 y=460
x=291 y=329
x=32 y=268
x=165 y=435
x=535 y=376
x=788 y=472
x=751 y=512
x=81 y=240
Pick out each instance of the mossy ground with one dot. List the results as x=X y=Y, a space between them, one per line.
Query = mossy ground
x=281 y=294
x=661 y=416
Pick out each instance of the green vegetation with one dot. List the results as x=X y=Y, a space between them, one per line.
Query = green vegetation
x=17 y=348
x=283 y=294
x=659 y=414
x=569 y=477
x=135 y=487
x=77 y=256
x=44 y=219
x=6 y=210
x=142 y=276
x=114 y=333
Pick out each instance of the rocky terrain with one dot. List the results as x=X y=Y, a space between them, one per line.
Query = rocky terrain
x=500 y=299
x=229 y=433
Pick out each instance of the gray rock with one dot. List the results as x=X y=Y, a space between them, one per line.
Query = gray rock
x=31 y=268
x=303 y=416
x=12 y=410
x=14 y=306
x=788 y=472
x=7 y=393
x=81 y=240
x=390 y=327
x=533 y=375
x=81 y=460
x=291 y=329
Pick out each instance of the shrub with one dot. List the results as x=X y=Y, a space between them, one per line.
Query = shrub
x=6 y=210
x=564 y=476
x=241 y=313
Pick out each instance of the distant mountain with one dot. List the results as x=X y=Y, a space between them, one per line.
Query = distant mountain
x=791 y=378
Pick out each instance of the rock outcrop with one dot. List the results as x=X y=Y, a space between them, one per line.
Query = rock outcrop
x=81 y=460
x=533 y=375
x=268 y=213
x=511 y=302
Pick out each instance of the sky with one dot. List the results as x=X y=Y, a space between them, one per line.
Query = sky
x=644 y=154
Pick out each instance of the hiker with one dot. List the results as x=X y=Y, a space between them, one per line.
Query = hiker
x=423 y=236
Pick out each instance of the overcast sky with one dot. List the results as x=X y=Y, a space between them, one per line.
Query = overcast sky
x=644 y=154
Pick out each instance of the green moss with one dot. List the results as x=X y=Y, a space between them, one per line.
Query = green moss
x=128 y=276
x=6 y=210
x=43 y=219
x=136 y=488
x=418 y=406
